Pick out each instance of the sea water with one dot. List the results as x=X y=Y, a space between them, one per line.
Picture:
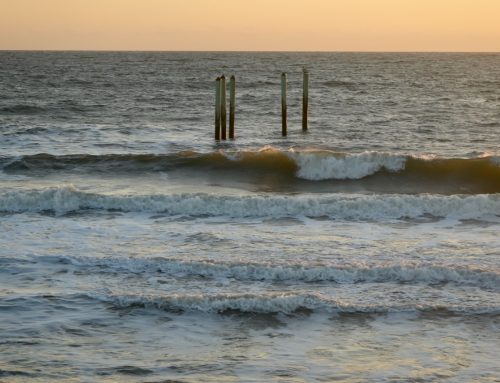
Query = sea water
x=135 y=248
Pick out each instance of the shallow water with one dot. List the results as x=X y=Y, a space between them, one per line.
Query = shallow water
x=134 y=248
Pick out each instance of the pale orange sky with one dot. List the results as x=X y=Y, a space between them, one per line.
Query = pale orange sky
x=256 y=25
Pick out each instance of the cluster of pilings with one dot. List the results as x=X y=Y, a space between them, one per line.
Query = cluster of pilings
x=220 y=105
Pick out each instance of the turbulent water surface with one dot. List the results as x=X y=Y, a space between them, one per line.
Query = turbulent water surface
x=134 y=248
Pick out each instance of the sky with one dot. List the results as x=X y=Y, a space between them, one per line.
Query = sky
x=251 y=25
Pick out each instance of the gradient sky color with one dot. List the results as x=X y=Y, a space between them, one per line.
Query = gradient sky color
x=255 y=25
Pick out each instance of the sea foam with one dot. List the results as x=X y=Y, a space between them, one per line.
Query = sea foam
x=65 y=199
x=269 y=303
x=353 y=274
x=317 y=166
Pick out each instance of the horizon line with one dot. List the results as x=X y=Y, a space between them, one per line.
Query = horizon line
x=242 y=51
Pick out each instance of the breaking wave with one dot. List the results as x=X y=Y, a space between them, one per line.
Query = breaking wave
x=317 y=166
x=474 y=175
x=406 y=273
x=269 y=303
x=66 y=199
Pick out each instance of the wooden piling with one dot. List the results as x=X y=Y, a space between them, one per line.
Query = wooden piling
x=305 y=99
x=232 y=104
x=223 y=107
x=217 y=108
x=283 y=105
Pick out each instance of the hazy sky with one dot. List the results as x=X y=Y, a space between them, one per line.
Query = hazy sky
x=298 y=25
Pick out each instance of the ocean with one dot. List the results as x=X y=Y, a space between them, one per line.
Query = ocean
x=136 y=248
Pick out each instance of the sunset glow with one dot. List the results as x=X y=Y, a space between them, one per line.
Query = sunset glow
x=258 y=25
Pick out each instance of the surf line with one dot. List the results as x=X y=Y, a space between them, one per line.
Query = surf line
x=220 y=132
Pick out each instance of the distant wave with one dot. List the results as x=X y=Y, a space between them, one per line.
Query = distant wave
x=451 y=175
x=406 y=273
x=55 y=109
x=340 y=84
x=62 y=200
x=22 y=109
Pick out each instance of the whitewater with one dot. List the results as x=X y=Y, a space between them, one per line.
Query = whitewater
x=135 y=248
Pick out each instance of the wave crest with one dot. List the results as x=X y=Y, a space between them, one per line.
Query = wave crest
x=416 y=173
x=316 y=166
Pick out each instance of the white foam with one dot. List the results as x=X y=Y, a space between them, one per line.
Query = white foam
x=318 y=165
x=62 y=200
x=411 y=273
x=252 y=303
x=267 y=303
x=327 y=165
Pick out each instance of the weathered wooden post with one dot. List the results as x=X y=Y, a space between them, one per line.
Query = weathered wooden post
x=283 y=104
x=232 y=103
x=217 y=108
x=305 y=99
x=223 y=107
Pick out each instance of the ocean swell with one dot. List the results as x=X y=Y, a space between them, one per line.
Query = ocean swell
x=474 y=175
